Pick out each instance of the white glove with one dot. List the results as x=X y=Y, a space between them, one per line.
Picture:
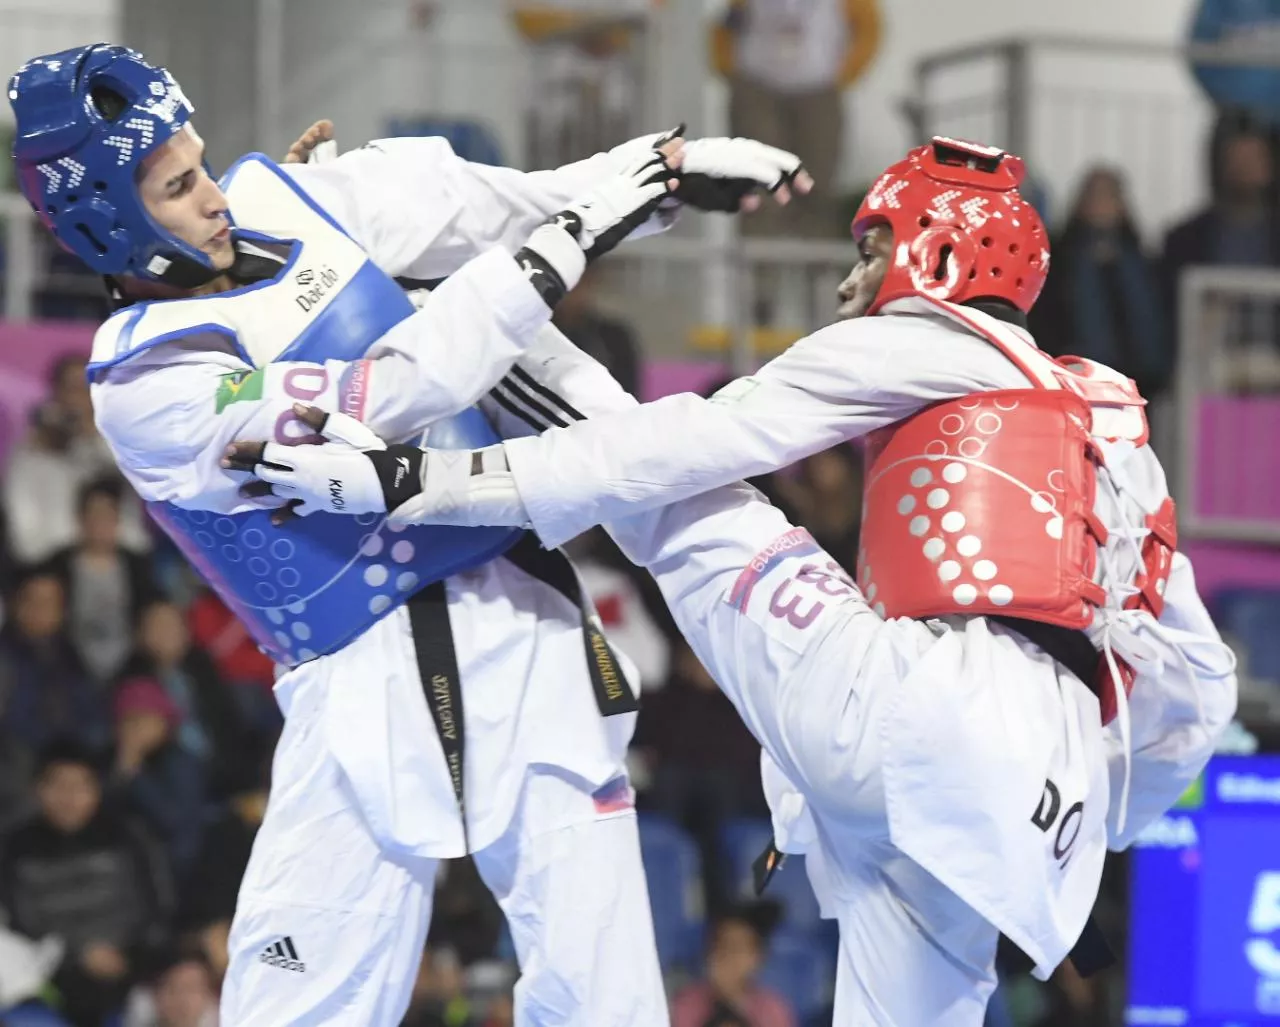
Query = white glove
x=356 y=472
x=719 y=173
x=334 y=477
x=593 y=225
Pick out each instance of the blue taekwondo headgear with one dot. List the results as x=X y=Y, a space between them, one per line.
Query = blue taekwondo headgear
x=86 y=119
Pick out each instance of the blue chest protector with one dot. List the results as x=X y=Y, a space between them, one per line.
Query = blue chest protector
x=309 y=587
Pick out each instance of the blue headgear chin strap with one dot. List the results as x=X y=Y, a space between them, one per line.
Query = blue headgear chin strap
x=86 y=119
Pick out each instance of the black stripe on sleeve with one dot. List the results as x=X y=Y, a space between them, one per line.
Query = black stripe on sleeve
x=517 y=394
x=528 y=379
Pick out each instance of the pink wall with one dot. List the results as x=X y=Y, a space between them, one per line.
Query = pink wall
x=1220 y=565
x=664 y=377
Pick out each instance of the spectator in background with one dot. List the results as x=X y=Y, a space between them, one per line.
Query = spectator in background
x=1102 y=298
x=1238 y=228
x=730 y=996
x=202 y=711
x=44 y=690
x=209 y=897
x=106 y=584
x=80 y=872
x=827 y=495
x=703 y=764
x=610 y=341
x=159 y=778
x=182 y=993
x=788 y=63
x=465 y=918
x=438 y=996
x=221 y=634
x=62 y=451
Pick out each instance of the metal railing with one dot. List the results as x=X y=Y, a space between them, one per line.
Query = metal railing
x=673 y=289
x=1066 y=103
x=1228 y=404
x=577 y=104
x=25 y=32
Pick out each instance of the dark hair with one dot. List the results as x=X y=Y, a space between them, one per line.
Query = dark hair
x=109 y=486
x=760 y=917
x=1231 y=126
x=1075 y=222
x=28 y=573
x=67 y=751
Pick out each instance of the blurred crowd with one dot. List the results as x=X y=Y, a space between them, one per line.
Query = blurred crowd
x=1108 y=298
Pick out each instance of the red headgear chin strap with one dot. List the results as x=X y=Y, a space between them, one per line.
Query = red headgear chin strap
x=960 y=229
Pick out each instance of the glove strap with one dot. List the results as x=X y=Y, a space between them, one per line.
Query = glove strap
x=399 y=470
x=542 y=276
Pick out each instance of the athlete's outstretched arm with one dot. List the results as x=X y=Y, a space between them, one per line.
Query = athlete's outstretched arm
x=422 y=211
x=837 y=384
x=169 y=413
x=834 y=385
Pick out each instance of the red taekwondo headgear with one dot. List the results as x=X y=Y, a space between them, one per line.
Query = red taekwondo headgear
x=961 y=231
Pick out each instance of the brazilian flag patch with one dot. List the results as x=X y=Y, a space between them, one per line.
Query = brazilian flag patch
x=241 y=386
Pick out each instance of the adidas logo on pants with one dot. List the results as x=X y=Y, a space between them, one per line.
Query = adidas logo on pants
x=283 y=955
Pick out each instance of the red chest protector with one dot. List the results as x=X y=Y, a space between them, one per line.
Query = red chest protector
x=985 y=505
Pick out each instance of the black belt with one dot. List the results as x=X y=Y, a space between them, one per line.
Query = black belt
x=613 y=693
x=438 y=659
x=1067 y=646
x=438 y=668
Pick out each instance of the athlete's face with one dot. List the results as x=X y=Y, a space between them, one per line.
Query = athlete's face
x=858 y=291
x=179 y=194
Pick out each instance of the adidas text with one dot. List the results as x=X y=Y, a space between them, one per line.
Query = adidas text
x=283 y=956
